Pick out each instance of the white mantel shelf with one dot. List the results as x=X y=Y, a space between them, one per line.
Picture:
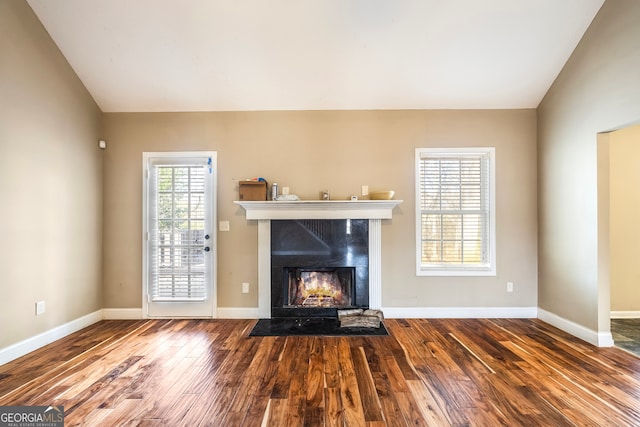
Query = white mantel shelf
x=319 y=209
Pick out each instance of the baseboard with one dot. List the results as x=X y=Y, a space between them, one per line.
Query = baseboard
x=222 y=313
x=460 y=312
x=625 y=315
x=599 y=339
x=122 y=314
x=21 y=348
x=238 y=313
x=411 y=312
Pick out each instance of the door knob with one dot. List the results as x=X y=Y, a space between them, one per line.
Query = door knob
x=207 y=249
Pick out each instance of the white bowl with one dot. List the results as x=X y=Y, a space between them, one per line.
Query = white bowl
x=381 y=195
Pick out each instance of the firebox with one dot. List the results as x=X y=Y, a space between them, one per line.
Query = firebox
x=318 y=267
x=319 y=287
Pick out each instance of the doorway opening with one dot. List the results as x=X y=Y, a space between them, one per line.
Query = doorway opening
x=618 y=234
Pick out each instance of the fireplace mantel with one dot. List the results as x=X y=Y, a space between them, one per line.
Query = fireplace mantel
x=264 y=212
x=320 y=209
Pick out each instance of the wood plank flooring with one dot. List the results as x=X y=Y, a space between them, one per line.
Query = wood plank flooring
x=428 y=372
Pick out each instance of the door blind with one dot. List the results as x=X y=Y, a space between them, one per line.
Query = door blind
x=454 y=210
x=177 y=230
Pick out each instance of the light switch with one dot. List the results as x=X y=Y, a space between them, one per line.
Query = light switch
x=223 y=226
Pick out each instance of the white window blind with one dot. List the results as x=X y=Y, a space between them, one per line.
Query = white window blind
x=177 y=230
x=454 y=210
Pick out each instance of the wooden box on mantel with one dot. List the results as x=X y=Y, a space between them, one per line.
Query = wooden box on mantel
x=252 y=190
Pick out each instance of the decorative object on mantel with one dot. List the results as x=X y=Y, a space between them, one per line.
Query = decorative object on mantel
x=287 y=198
x=382 y=195
x=360 y=318
x=252 y=189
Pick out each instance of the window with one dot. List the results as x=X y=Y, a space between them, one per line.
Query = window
x=455 y=211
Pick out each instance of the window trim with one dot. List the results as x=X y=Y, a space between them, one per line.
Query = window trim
x=488 y=270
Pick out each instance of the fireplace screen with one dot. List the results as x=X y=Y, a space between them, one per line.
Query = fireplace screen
x=324 y=287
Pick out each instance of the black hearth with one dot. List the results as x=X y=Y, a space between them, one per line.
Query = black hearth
x=318 y=267
x=309 y=326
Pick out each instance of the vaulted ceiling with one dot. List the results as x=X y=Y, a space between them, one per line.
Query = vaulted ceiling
x=231 y=55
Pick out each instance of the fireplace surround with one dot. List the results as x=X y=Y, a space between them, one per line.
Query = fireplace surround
x=319 y=266
x=374 y=211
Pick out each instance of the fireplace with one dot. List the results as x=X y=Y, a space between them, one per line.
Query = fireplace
x=267 y=212
x=319 y=266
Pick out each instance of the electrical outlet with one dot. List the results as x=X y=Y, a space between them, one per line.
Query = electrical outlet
x=285 y=191
x=365 y=190
x=509 y=286
x=39 y=308
x=223 y=226
x=245 y=288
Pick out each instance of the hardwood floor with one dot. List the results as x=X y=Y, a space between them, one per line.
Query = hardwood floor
x=436 y=372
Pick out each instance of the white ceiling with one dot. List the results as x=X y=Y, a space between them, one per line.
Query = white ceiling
x=229 y=55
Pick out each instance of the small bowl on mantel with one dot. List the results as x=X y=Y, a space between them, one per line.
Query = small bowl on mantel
x=381 y=195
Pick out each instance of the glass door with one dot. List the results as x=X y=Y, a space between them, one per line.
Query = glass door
x=180 y=244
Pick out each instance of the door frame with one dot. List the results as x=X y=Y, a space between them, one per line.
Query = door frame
x=213 y=167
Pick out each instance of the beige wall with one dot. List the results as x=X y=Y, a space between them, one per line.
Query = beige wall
x=56 y=249
x=50 y=183
x=340 y=151
x=624 y=152
x=598 y=90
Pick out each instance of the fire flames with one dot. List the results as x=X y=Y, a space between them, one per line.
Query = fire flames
x=319 y=289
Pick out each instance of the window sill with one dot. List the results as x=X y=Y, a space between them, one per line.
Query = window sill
x=466 y=272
